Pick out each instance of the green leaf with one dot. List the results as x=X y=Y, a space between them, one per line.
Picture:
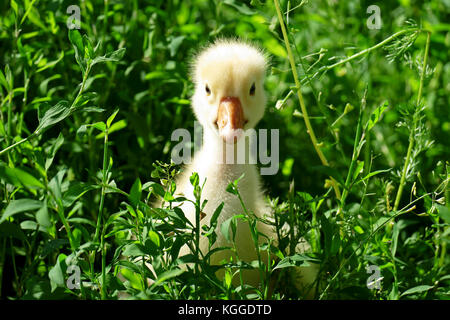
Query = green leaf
x=134 y=278
x=256 y=3
x=155 y=75
x=307 y=199
x=77 y=42
x=178 y=217
x=100 y=126
x=114 y=56
x=232 y=186
x=21 y=205
x=92 y=109
x=85 y=98
x=335 y=244
x=82 y=130
x=216 y=214
x=88 y=49
x=15 y=7
x=134 y=250
x=116 y=126
x=194 y=179
x=151 y=248
x=376 y=115
x=54 y=148
x=277 y=252
x=379 y=223
x=81 y=221
x=154 y=237
x=51 y=64
x=52 y=246
x=9 y=77
x=20 y=177
x=359 y=168
x=111 y=118
x=168 y=197
x=175 y=44
x=295 y=260
x=27 y=12
x=241 y=7
x=225 y=228
x=230 y=223
x=42 y=216
x=135 y=193
x=358 y=229
x=374 y=173
x=129 y=265
x=56 y=183
x=398 y=226
x=76 y=191
x=3 y=81
x=57 y=273
x=53 y=115
x=417 y=289
x=443 y=212
x=287 y=167
x=32 y=225
x=168 y=275
x=155 y=187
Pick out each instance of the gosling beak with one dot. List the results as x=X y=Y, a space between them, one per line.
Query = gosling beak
x=230 y=119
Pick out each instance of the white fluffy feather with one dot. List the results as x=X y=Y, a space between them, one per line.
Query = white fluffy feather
x=229 y=69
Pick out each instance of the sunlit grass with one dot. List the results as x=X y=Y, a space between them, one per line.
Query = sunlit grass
x=85 y=174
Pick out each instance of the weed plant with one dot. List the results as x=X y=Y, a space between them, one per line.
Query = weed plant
x=87 y=188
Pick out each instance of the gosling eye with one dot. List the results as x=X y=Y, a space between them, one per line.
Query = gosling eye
x=252 y=89
x=208 y=90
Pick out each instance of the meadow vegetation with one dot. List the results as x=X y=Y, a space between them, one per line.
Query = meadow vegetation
x=86 y=118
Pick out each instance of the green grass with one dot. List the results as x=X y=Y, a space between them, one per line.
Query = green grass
x=86 y=118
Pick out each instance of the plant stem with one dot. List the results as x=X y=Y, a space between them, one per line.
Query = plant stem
x=415 y=122
x=104 y=183
x=309 y=128
x=102 y=243
x=36 y=133
x=347 y=259
x=443 y=253
x=378 y=45
x=60 y=211
x=27 y=79
x=83 y=83
x=16 y=276
x=197 y=234
x=355 y=154
x=293 y=241
x=9 y=114
x=254 y=233
x=100 y=216
x=16 y=144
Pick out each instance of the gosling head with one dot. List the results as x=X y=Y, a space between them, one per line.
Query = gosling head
x=229 y=93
